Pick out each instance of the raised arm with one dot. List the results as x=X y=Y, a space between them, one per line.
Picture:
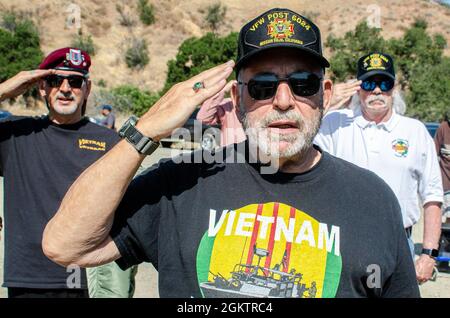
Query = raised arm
x=79 y=232
x=21 y=82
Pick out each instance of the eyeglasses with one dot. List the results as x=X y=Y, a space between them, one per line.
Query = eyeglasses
x=264 y=86
x=385 y=85
x=75 y=81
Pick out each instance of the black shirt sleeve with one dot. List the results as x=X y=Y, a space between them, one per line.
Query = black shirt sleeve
x=5 y=135
x=136 y=223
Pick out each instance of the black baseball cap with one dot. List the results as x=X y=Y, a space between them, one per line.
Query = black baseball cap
x=375 y=63
x=279 y=27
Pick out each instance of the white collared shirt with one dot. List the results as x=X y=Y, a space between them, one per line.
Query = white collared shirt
x=400 y=151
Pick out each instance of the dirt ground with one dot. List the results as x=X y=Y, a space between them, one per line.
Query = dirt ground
x=147 y=277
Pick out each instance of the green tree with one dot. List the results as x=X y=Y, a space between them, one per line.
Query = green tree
x=416 y=48
x=19 y=49
x=347 y=50
x=19 y=46
x=198 y=54
x=428 y=94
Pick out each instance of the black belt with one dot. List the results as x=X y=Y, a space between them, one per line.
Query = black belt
x=408 y=231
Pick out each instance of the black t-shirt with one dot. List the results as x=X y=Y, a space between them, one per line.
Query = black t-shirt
x=226 y=230
x=39 y=161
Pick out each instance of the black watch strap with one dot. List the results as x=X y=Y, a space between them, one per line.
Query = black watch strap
x=141 y=143
x=430 y=252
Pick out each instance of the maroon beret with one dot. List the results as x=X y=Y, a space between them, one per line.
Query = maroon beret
x=67 y=59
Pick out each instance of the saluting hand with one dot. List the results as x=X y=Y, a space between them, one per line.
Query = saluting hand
x=21 y=82
x=175 y=107
x=342 y=93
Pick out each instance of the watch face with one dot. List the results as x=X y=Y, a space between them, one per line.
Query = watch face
x=130 y=122
x=435 y=253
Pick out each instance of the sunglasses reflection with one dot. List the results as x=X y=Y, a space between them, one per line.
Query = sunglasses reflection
x=75 y=81
x=264 y=85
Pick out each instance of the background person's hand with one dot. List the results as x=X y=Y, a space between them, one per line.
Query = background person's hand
x=175 y=107
x=342 y=93
x=424 y=268
x=213 y=107
x=21 y=82
x=219 y=98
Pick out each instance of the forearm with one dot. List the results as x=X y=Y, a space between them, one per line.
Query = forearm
x=432 y=225
x=2 y=92
x=86 y=214
x=10 y=89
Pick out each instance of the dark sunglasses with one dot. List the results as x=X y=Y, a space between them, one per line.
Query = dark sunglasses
x=385 y=85
x=75 y=81
x=264 y=86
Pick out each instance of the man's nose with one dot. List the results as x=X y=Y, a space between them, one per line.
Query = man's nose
x=65 y=87
x=377 y=90
x=283 y=99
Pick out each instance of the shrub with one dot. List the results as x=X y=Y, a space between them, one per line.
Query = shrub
x=101 y=82
x=146 y=12
x=84 y=43
x=138 y=101
x=215 y=15
x=126 y=99
x=136 y=55
x=125 y=18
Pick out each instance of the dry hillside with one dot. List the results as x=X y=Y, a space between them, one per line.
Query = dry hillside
x=176 y=20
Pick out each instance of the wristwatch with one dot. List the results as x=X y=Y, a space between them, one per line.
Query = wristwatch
x=141 y=143
x=430 y=252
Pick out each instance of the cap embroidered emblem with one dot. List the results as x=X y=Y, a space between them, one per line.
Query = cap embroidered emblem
x=376 y=62
x=280 y=29
x=75 y=57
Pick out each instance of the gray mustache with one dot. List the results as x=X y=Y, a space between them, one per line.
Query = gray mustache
x=376 y=98
x=275 y=116
x=71 y=97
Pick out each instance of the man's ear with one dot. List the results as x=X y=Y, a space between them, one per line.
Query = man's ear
x=236 y=99
x=327 y=94
x=42 y=90
x=88 y=88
